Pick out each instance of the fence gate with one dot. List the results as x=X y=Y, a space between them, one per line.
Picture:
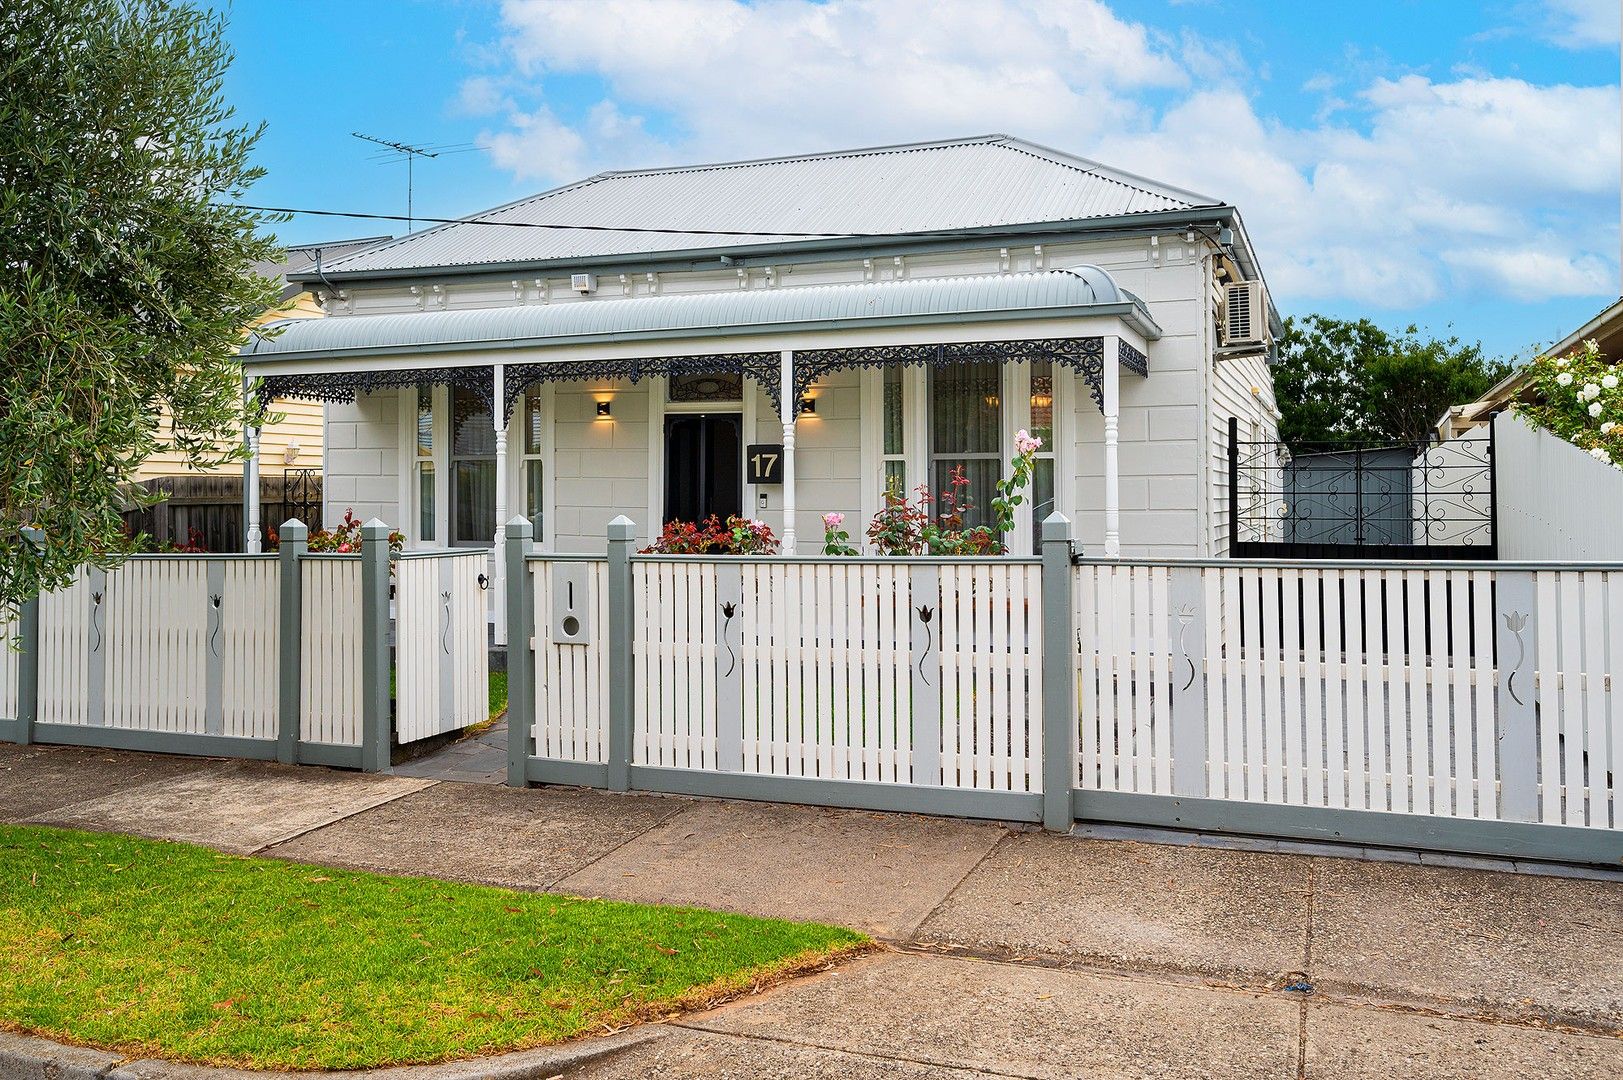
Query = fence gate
x=442 y=662
x=1363 y=500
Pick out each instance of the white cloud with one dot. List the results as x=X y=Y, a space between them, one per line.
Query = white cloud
x=478 y=96
x=1579 y=24
x=1409 y=189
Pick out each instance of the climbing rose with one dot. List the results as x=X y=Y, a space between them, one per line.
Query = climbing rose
x=1026 y=443
x=833 y=521
x=1565 y=378
x=1594 y=408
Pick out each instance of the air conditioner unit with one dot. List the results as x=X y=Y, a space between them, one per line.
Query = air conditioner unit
x=582 y=283
x=1245 y=313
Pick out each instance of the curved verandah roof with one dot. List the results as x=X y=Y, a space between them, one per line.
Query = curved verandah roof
x=332 y=354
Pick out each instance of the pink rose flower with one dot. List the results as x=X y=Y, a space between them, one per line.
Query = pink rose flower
x=833 y=521
x=1026 y=443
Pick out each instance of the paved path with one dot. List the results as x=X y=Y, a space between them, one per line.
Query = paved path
x=481 y=759
x=1009 y=952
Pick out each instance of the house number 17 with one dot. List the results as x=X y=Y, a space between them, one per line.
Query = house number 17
x=765 y=463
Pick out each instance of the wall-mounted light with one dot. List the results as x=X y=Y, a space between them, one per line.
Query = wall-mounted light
x=808 y=406
x=604 y=409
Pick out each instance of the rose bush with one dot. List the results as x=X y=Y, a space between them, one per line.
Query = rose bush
x=906 y=528
x=1580 y=398
x=344 y=539
x=836 y=541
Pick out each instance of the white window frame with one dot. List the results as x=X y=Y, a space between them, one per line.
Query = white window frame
x=521 y=456
x=1014 y=414
x=410 y=499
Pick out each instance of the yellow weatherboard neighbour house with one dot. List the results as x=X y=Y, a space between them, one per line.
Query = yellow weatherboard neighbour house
x=294 y=441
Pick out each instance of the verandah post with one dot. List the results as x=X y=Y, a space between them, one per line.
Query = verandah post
x=294 y=542
x=520 y=659
x=375 y=719
x=622 y=534
x=1059 y=674
x=28 y=660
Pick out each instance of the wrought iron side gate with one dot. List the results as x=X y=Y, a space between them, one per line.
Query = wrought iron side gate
x=1362 y=501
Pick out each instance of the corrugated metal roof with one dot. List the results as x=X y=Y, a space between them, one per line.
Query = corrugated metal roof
x=975 y=183
x=1029 y=294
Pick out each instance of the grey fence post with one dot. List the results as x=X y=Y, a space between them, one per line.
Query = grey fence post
x=1059 y=674
x=294 y=542
x=28 y=661
x=1188 y=629
x=1515 y=622
x=520 y=657
x=622 y=534
x=375 y=718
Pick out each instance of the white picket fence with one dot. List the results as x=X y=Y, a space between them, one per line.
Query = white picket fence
x=895 y=672
x=330 y=647
x=571 y=679
x=442 y=670
x=9 y=668
x=166 y=644
x=1362 y=688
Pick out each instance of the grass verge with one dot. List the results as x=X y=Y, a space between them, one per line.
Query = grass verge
x=177 y=951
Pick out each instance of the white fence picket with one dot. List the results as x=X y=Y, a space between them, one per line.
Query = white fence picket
x=331 y=649
x=10 y=667
x=571 y=679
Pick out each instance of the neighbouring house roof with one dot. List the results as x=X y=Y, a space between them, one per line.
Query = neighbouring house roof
x=1081 y=290
x=303 y=257
x=1605 y=329
x=976 y=183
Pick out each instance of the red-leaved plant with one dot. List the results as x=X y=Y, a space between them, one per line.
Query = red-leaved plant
x=737 y=536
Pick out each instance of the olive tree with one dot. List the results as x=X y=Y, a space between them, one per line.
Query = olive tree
x=126 y=274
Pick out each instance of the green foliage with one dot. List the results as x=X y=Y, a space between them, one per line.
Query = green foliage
x=903 y=527
x=1580 y=398
x=1340 y=380
x=125 y=276
x=178 y=951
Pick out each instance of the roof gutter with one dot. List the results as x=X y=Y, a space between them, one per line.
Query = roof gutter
x=1129 y=312
x=822 y=250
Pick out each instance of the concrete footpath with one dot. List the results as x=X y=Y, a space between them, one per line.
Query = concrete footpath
x=1010 y=952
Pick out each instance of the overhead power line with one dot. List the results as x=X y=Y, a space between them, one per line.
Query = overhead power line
x=554 y=226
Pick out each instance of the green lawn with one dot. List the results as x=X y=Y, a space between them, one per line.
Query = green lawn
x=177 y=951
x=498 y=693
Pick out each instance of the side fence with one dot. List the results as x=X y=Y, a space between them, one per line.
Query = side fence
x=1467 y=708
x=276 y=657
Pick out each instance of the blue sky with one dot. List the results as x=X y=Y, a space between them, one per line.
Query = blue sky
x=1448 y=163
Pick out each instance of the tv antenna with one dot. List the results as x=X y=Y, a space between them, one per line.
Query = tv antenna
x=393 y=149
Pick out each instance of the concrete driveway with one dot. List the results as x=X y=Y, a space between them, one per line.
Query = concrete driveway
x=1009 y=952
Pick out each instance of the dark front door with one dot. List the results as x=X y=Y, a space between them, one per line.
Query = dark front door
x=703 y=466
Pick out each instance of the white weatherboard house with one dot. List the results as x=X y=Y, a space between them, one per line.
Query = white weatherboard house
x=786 y=337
